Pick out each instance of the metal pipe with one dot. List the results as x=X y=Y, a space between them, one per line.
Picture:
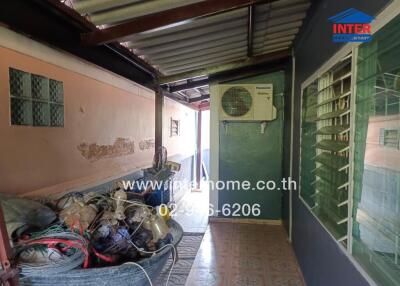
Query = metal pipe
x=250 y=30
x=159 y=108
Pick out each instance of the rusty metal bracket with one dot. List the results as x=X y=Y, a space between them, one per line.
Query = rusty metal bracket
x=8 y=275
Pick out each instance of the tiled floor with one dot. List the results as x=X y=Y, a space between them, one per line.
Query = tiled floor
x=192 y=211
x=245 y=255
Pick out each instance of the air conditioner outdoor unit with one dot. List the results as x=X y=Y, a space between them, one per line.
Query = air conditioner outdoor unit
x=246 y=102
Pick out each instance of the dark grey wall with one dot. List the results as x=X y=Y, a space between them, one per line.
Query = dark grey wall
x=286 y=144
x=321 y=260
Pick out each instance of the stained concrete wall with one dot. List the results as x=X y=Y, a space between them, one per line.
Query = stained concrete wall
x=101 y=109
x=48 y=159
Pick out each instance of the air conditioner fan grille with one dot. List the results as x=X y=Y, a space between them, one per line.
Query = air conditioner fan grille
x=236 y=101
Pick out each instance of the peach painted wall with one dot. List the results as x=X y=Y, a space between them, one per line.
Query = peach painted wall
x=183 y=145
x=44 y=160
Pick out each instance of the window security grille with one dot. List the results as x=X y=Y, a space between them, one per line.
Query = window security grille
x=175 y=127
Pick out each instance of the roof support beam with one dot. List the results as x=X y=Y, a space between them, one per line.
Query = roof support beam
x=233 y=75
x=179 y=99
x=159 y=108
x=201 y=103
x=250 y=30
x=251 y=71
x=189 y=85
x=198 y=150
x=226 y=67
x=200 y=98
x=160 y=19
x=204 y=106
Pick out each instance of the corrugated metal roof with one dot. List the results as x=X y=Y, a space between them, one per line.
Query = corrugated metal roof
x=202 y=42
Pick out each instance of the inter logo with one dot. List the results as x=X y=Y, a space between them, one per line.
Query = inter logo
x=351 y=25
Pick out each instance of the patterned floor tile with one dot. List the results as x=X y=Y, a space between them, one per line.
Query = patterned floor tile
x=205 y=277
x=286 y=280
x=248 y=279
x=245 y=255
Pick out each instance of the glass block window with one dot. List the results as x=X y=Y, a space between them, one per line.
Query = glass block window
x=376 y=192
x=325 y=132
x=35 y=100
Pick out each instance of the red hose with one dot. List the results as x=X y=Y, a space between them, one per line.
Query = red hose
x=50 y=242
x=106 y=258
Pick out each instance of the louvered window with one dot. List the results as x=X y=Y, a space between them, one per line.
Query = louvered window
x=325 y=136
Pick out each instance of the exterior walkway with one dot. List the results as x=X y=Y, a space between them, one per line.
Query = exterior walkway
x=245 y=255
x=192 y=210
